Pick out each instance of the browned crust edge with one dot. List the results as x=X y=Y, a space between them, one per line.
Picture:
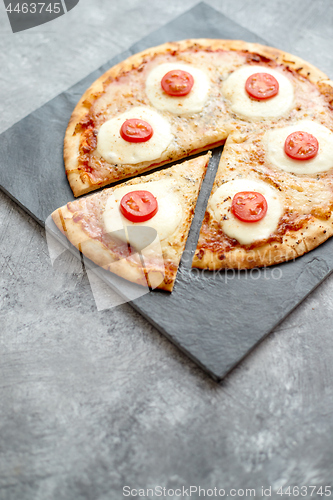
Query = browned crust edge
x=316 y=233
x=71 y=142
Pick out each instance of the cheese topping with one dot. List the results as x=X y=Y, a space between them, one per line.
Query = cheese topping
x=114 y=149
x=246 y=232
x=191 y=103
x=274 y=144
x=244 y=106
x=165 y=221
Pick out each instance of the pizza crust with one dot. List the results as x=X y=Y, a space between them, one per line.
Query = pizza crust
x=294 y=245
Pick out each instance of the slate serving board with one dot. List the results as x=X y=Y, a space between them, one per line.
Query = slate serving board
x=215 y=318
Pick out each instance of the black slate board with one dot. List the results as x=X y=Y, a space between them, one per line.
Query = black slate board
x=216 y=318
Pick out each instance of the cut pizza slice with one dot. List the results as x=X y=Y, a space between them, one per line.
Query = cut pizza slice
x=272 y=197
x=138 y=229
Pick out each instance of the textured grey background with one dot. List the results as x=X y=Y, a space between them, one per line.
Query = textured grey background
x=127 y=408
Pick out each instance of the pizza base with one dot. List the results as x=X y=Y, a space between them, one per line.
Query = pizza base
x=157 y=273
x=80 y=181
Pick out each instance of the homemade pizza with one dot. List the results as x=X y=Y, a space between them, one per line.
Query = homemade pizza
x=273 y=195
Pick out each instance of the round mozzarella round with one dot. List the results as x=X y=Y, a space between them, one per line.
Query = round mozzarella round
x=246 y=232
x=244 y=106
x=165 y=221
x=190 y=103
x=114 y=149
x=274 y=141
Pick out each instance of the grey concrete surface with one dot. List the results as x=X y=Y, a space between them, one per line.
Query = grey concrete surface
x=92 y=400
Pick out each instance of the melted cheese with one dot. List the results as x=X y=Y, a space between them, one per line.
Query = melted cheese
x=274 y=145
x=246 y=232
x=191 y=103
x=242 y=104
x=165 y=221
x=114 y=149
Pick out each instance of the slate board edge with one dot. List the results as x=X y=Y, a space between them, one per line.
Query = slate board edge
x=22 y=207
x=221 y=377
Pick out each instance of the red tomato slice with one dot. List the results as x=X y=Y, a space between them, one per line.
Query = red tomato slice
x=138 y=206
x=301 y=146
x=249 y=206
x=262 y=86
x=177 y=82
x=136 y=130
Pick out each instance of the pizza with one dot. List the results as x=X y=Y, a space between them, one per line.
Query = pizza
x=272 y=197
x=137 y=229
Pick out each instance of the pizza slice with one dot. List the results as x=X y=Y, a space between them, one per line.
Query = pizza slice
x=272 y=198
x=137 y=229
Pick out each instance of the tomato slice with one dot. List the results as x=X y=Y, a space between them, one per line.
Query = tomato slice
x=249 y=206
x=177 y=82
x=262 y=86
x=301 y=146
x=136 y=130
x=138 y=206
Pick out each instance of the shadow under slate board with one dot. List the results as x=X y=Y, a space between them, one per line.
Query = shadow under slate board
x=215 y=318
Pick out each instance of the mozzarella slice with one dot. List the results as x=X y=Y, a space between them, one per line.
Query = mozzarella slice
x=193 y=102
x=165 y=221
x=114 y=149
x=274 y=144
x=241 y=103
x=246 y=232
